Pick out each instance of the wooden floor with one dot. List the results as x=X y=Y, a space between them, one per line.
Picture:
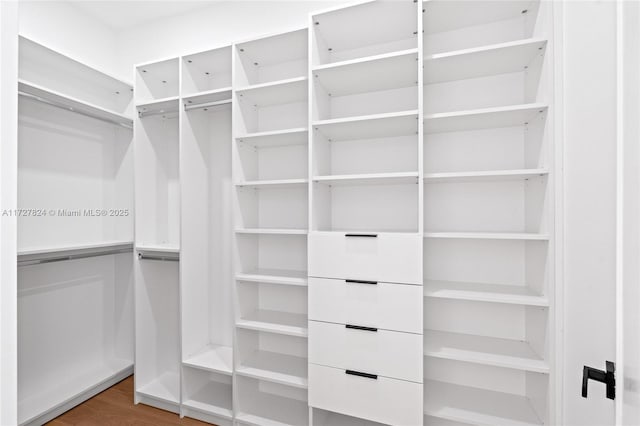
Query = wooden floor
x=114 y=407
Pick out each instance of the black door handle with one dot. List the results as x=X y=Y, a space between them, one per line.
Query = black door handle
x=607 y=377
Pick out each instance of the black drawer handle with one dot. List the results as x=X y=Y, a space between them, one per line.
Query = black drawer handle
x=361 y=282
x=362 y=235
x=360 y=327
x=361 y=374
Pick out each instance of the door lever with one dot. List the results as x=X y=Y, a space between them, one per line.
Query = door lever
x=607 y=377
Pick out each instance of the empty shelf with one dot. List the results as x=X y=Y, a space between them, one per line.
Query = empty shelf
x=275 y=367
x=267 y=409
x=492 y=351
x=477 y=406
x=274 y=276
x=218 y=359
x=493 y=175
x=482 y=292
x=488 y=235
x=272 y=231
x=375 y=73
x=157 y=107
x=275 y=93
x=369 y=179
x=208 y=96
x=370 y=126
x=55 y=394
x=482 y=61
x=285 y=137
x=50 y=254
x=165 y=388
x=72 y=104
x=275 y=322
x=214 y=399
x=484 y=118
x=158 y=251
x=274 y=182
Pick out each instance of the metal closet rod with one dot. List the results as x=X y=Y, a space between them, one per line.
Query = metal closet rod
x=73 y=257
x=68 y=108
x=163 y=258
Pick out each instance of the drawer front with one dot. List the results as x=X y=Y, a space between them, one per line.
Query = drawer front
x=390 y=401
x=385 y=353
x=383 y=305
x=392 y=258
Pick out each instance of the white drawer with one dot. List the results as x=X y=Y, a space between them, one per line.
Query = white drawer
x=395 y=258
x=391 y=401
x=386 y=353
x=380 y=305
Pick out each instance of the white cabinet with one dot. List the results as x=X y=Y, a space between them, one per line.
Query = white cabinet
x=395 y=258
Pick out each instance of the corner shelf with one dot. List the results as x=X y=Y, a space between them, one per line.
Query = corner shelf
x=275 y=367
x=213 y=358
x=483 y=176
x=482 y=61
x=275 y=93
x=489 y=236
x=477 y=406
x=274 y=276
x=369 y=179
x=483 y=118
x=70 y=103
x=275 y=322
x=383 y=72
x=483 y=292
x=484 y=350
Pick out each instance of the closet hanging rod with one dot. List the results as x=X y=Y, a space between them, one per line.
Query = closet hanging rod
x=172 y=258
x=207 y=104
x=69 y=108
x=48 y=258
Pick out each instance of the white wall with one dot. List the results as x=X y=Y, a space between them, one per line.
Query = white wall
x=63 y=27
x=222 y=23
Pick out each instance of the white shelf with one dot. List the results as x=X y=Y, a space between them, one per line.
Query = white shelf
x=272 y=231
x=157 y=248
x=57 y=394
x=275 y=93
x=482 y=61
x=70 y=251
x=165 y=388
x=275 y=322
x=274 y=182
x=370 y=126
x=160 y=106
x=214 y=358
x=271 y=410
x=371 y=74
x=213 y=95
x=489 y=236
x=493 y=175
x=213 y=399
x=492 y=351
x=275 y=367
x=369 y=179
x=72 y=104
x=483 y=292
x=477 y=406
x=285 y=137
x=484 y=118
x=274 y=276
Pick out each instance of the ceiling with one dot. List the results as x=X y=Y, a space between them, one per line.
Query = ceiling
x=125 y=14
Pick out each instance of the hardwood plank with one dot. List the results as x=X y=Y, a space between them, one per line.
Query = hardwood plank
x=115 y=407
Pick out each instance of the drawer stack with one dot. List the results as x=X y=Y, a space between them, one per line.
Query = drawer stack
x=365 y=325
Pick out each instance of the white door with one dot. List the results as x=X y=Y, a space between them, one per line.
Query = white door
x=601 y=225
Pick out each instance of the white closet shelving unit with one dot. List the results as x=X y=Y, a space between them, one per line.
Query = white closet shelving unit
x=270 y=175
x=75 y=232
x=488 y=213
